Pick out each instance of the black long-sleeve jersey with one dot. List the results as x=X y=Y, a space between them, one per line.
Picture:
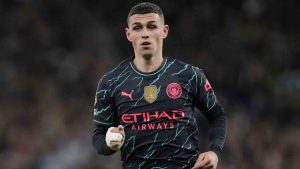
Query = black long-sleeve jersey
x=157 y=112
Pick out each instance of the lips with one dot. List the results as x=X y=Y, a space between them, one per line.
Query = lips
x=146 y=43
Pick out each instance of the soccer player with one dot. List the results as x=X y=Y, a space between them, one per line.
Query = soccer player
x=145 y=105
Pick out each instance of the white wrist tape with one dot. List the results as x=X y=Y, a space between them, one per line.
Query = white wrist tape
x=113 y=137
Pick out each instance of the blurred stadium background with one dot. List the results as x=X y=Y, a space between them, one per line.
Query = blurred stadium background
x=53 y=52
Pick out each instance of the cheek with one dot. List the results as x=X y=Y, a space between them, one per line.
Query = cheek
x=134 y=39
x=158 y=38
x=159 y=35
x=134 y=43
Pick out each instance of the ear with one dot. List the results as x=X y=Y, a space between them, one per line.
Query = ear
x=165 y=31
x=127 y=32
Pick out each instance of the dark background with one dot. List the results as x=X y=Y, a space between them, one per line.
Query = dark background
x=53 y=52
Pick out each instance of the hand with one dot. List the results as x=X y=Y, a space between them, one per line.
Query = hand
x=115 y=137
x=207 y=160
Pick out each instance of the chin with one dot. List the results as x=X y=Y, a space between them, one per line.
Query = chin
x=147 y=56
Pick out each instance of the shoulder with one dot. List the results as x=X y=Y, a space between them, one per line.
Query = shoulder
x=113 y=73
x=117 y=69
x=190 y=69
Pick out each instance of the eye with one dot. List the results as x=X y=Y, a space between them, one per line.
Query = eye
x=137 y=28
x=152 y=26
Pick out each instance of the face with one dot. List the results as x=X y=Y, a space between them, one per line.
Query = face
x=146 y=32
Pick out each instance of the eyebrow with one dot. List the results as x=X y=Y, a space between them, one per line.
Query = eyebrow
x=139 y=23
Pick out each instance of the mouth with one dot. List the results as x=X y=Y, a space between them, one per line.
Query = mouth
x=145 y=43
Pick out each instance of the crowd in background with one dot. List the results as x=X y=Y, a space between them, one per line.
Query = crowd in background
x=52 y=54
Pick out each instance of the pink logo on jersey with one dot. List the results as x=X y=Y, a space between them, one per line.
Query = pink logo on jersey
x=207 y=86
x=174 y=90
x=157 y=120
x=127 y=94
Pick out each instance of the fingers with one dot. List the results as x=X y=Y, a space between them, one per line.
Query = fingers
x=119 y=129
x=204 y=161
x=115 y=137
x=201 y=156
x=198 y=164
x=199 y=160
x=116 y=143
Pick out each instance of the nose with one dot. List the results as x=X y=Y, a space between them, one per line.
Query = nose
x=145 y=34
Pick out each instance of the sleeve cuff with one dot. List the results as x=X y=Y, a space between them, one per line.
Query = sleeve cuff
x=217 y=150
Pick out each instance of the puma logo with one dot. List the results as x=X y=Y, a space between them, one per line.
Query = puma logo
x=127 y=94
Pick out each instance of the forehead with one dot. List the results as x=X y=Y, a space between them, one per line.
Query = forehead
x=144 y=18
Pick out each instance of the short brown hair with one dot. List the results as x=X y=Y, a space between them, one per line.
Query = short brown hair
x=144 y=8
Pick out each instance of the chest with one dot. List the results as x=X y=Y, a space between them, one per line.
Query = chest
x=161 y=93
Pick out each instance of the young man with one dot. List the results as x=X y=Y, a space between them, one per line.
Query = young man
x=145 y=105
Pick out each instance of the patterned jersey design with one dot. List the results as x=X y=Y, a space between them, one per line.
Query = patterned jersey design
x=157 y=111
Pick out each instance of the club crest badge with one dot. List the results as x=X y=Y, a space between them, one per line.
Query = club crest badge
x=174 y=90
x=150 y=93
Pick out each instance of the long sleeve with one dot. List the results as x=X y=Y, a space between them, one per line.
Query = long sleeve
x=100 y=144
x=103 y=117
x=206 y=101
x=217 y=128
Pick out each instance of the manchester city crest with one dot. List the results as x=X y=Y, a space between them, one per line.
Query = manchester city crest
x=150 y=93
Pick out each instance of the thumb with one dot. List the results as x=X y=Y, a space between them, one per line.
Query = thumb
x=201 y=156
x=121 y=130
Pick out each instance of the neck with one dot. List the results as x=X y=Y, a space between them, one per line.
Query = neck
x=148 y=63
